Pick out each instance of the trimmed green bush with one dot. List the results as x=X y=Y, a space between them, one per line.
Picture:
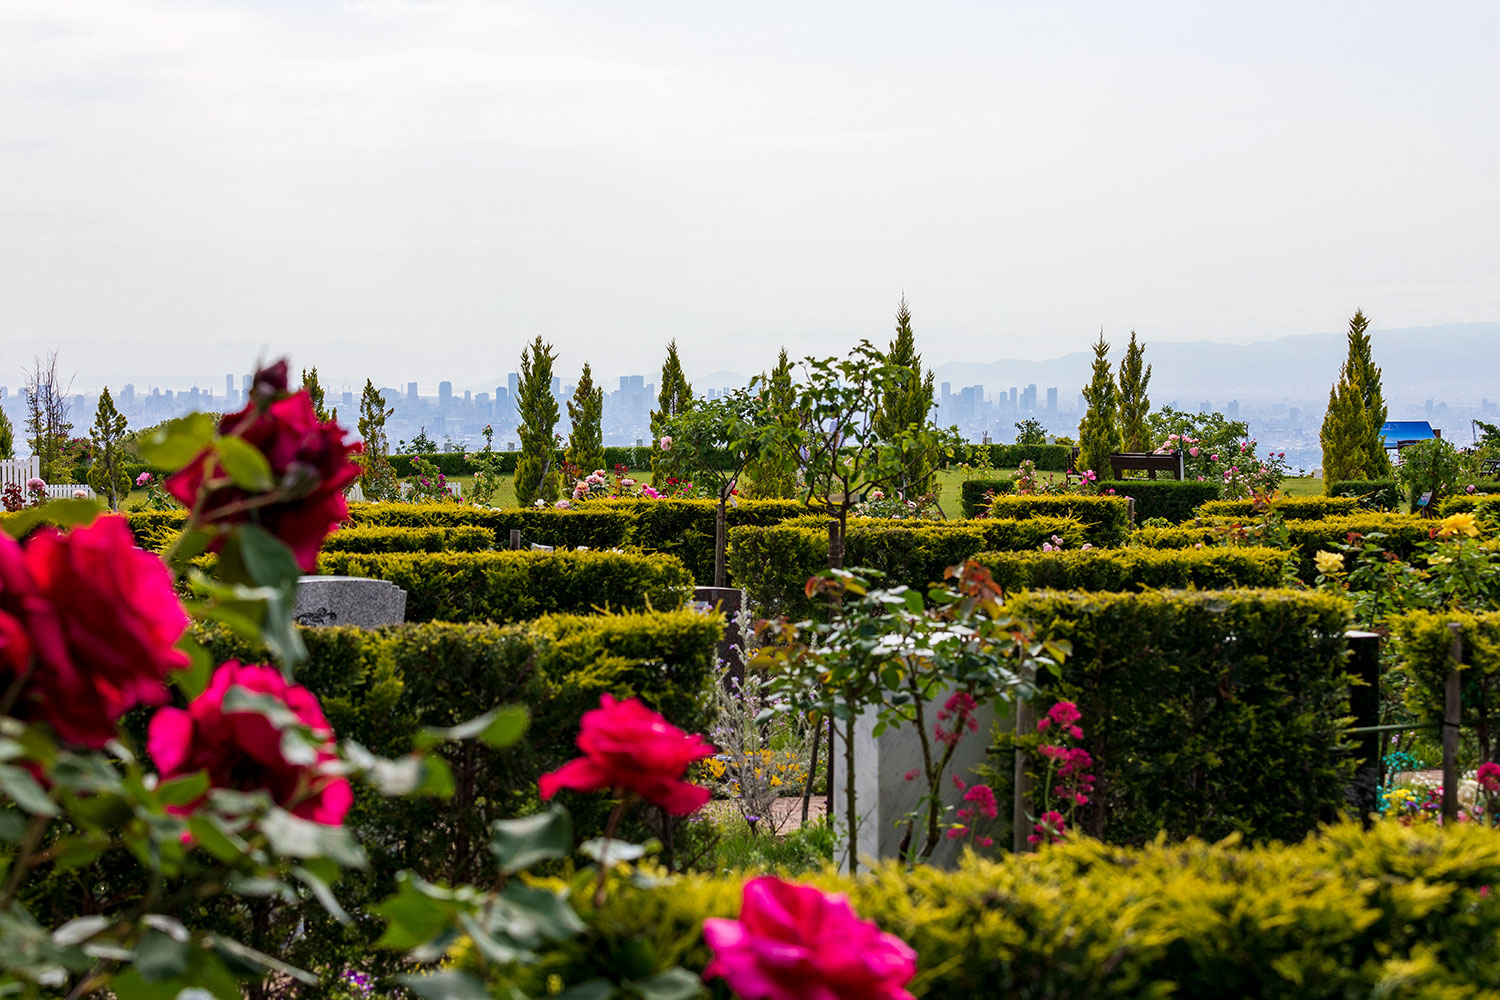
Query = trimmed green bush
x=1132 y=569
x=1105 y=518
x=1291 y=508
x=1168 y=498
x=974 y=493
x=1403 y=533
x=464 y=539
x=458 y=463
x=1423 y=642
x=1485 y=508
x=1379 y=494
x=772 y=563
x=1397 y=911
x=1207 y=712
x=514 y=586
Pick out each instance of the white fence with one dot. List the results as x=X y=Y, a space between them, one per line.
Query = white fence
x=21 y=470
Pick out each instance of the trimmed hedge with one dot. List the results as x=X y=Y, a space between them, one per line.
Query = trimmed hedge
x=1403 y=533
x=1207 y=712
x=409 y=540
x=1485 y=508
x=1291 y=508
x=458 y=463
x=1422 y=641
x=772 y=563
x=514 y=586
x=1166 y=498
x=974 y=493
x=1380 y=494
x=1137 y=569
x=1395 y=912
x=1105 y=519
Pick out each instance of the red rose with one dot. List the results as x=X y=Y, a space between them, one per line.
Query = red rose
x=309 y=462
x=796 y=942
x=95 y=621
x=626 y=745
x=243 y=749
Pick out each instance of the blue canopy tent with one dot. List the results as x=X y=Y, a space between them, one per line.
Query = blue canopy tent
x=1400 y=433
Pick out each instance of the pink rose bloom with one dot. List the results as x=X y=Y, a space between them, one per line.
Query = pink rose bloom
x=243 y=750
x=796 y=942
x=1193 y=451
x=36 y=484
x=1488 y=776
x=1064 y=713
x=628 y=746
x=80 y=494
x=143 y=479
x=666 y=442
x=1213 y=458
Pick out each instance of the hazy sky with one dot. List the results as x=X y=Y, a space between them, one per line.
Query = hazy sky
x=406 y=189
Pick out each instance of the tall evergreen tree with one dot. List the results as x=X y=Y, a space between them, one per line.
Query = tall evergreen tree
x=315 y=393
x=1352 y=447
x=1099 y=433
x=675 y=396
x=7 y=437
x=775 y=479
x=535 y=476
x=107 y=473
x=586 y=412
x=378 y=479
x=1135 y=407
x=908 y=402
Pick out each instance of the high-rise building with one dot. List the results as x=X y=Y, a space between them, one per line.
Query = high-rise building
x=228 y=390
x=445 y=394
x=1052 y=401
x=411 y=392
x=346 y=400
x=513 y=384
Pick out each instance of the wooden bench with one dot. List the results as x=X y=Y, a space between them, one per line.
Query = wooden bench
x=1147 y=461
x=1490 y=467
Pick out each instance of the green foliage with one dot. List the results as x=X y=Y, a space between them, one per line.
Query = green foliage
x=1099 y=432
x=376 y=478
x=1486 y=509
x=1136 y=569
x=1207 y=712
x=774 y=480
x=1402 y=535
x=1291 y=508
x=1135 y=406
x=586 y=411
x=773 y=563
x=1166 y=498
x=1105 y=518
x=1352 y=446
x=315 y=394
x=673 y=397
x=1046 y=457
x=107 y=473
x=422 y=444
x=1429 y=466
x=536 y=475
x=1423 y=640
x=907 y=404
x=1213 y=431
x=1030 y=432
x=510 y=586
x=1375 y=494
x=460 y=539
x=974 y=493
x=1393 y=912
x=7 y=437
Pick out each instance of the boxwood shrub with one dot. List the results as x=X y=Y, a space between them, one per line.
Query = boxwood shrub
x=1398 y=911
x=1422 y=641
x=1379 y=494
x=1208 y=713
x=1137 y=569
x=1105 y=519
x=462 y=539
x=974 y=493
x=1403 y=533
x=1168 y=498
x=1291 y=508
x=514 y=586
x=1485 y=508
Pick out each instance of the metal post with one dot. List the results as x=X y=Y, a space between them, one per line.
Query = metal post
x=1452 y=712
x=1364 y=705
x=515 y=538
x=1019 y=816
x=1130 y=509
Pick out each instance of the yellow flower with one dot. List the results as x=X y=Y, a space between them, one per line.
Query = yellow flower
x=1329 y=563
x=1458 y=524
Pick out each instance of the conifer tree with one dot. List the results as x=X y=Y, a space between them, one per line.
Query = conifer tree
x=315 y=393
x=535 y=476
x=107 y=469
x=1135 y=407
x=908 y=402
x=586 y=412
x=378 y=479
x=1351 y=439
x=775 y=479
x=675 y=396
x=1099 y=433
x=7 y=437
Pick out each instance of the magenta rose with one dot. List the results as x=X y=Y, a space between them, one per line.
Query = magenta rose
x=627 y=746
x=309 y=461
x=796 y=942
x=243 y=750
x=93 y=624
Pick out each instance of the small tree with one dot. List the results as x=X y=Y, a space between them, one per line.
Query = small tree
x=1351 y=433
x=774 y=477
x=674 y=397
x=1099 y=433
x=1134 y=404
x=907 y=403
x=47 y=425
x=535 y=476
x=1031 y=431
x=377 y=479
x=315 y=393
x=7 y=437
x=107 y=473
x=586 y=412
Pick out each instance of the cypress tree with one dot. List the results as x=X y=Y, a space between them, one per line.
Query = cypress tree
x=908 y=402
x=1134 y=404
x=535 y=476
x=1099 y=433
x=586 y=411
x=7 y=437
x=378 y=479
x=674 y=396
x=315 y=394
x=775 y=480
x=107 y=469
x=1350 y=434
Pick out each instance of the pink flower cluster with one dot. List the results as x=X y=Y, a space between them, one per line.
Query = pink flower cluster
x=958 y=713
x=1050 y=829
x=981 y=805
x=1488 y=776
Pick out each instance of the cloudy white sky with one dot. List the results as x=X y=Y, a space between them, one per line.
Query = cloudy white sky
x=414 y=188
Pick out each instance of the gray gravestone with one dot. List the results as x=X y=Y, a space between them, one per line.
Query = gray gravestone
x=348 y=600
